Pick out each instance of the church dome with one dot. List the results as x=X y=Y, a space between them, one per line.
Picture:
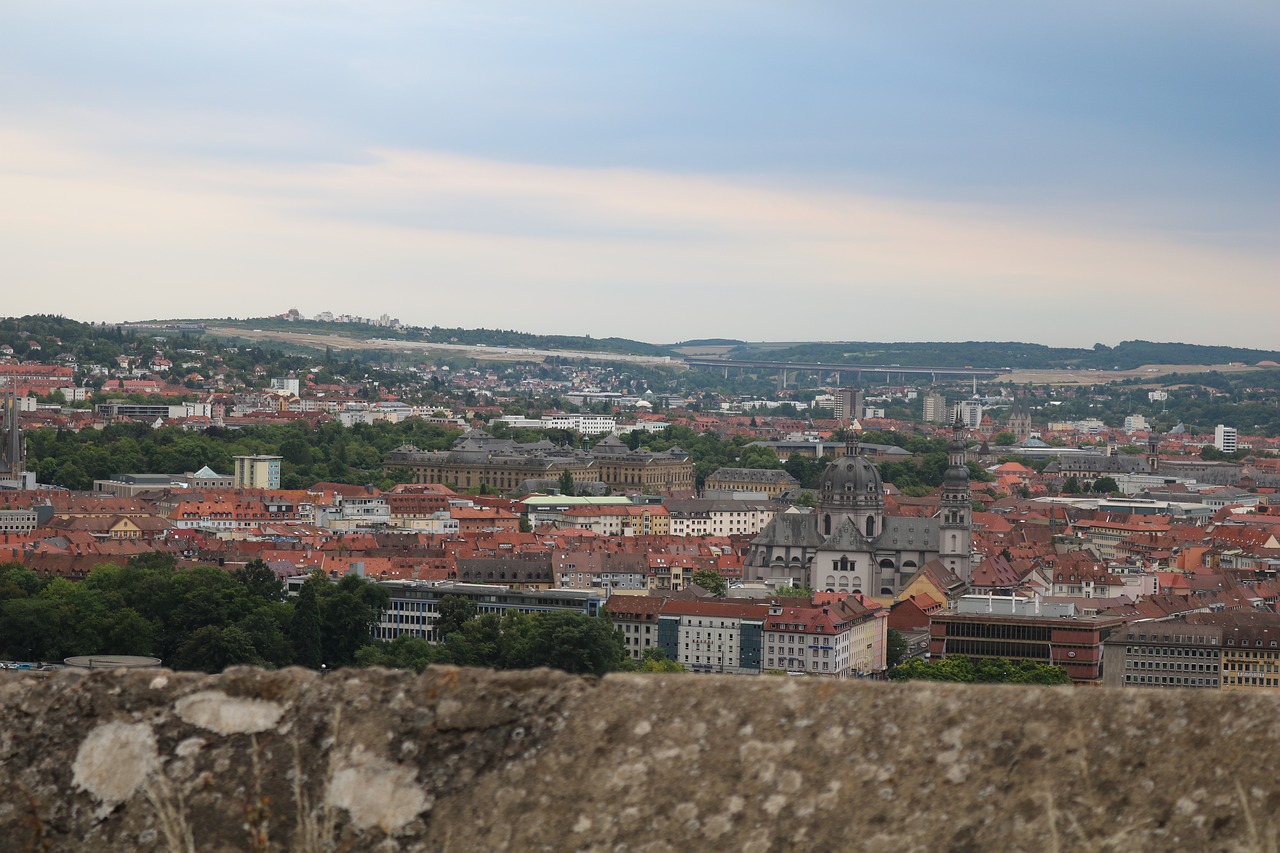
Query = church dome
x=851 y=476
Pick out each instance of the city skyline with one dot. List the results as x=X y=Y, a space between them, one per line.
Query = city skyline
x=817 y=172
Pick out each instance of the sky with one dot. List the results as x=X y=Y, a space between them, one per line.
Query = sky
x=1063 y=174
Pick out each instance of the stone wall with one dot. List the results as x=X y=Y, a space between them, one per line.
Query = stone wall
x=470 y=760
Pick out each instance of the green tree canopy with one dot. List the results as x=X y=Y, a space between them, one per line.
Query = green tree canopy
x=712 y=581
x=982 y=671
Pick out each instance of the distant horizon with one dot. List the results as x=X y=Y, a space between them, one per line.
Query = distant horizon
x=689 y=341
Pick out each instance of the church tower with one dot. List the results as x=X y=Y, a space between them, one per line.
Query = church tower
x=1020 y=419
x=851 y=488
x=955 y=536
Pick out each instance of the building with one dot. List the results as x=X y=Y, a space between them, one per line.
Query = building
x=989 y=626
x=124 y=410
x=1250 y=649
x=770 y=482
x=832 y=636
x=851 y=545
x=36 y=379
x=1020 y=420
x=935 y=408
x=807 y=640
x=22 y=521
x=848 y=404
x=128 y=485
x=1136 y=423
x=1164 y=654
x=526 y=570
x=710 y=517
x=1232 y=650
x=969 y=413
x=1224 y=438
x=478 y=459
x=415 y=605
x=636 y=618
x=713 y=635
x=620 y=520
x=207 y=478
x=584 y=424
x=257 y=472
x=13 y=451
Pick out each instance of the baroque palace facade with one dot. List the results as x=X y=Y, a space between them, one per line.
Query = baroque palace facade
x=478 y=459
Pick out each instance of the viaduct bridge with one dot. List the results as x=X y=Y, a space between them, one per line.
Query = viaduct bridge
x=839 y=371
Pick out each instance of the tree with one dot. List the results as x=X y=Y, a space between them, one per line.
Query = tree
x=712 y=581
x=654 y=659
x=573 y=642
x=455 y=611
x=895 y=648
x=265 y=628
x=793 y=592
x=213 y=649
x=258 y=579
x=304 y=629
x=1071 y=486
x=1004 y=439
x=759 y=457
x=349 y=611
x=566 y=483
x=1106 y=485
x=404 y=652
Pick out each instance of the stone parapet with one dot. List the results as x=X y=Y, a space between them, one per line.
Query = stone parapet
x=457 y=760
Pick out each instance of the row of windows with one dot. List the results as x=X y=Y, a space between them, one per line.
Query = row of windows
x=786 y=663
x=1199 y=639
x=1250 y=667
x=1171 y=680
x=713 y=659
x=999 y=631
x=1168 y=652
x=826 y=653
x=1178 y=667
x=1252 y=681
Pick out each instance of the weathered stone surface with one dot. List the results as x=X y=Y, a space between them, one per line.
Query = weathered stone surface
x=469 y=760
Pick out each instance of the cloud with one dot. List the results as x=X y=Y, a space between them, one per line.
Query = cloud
x=95 y=231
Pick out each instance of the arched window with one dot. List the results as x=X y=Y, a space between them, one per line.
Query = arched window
x=871 y=526
x=826 y=524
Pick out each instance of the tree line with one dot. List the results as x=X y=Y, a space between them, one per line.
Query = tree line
x=201 y=618
x=326 y=453
x=205 y=618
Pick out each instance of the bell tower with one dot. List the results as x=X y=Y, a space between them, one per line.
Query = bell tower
x=955 y=532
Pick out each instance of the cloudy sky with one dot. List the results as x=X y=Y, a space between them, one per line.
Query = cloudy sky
x=1059 y=173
